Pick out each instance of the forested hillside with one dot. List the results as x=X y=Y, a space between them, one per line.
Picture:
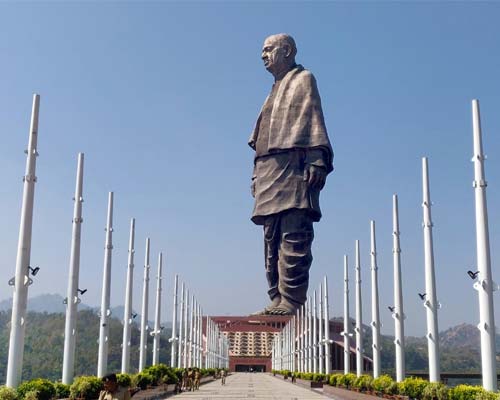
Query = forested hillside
x=43 y=354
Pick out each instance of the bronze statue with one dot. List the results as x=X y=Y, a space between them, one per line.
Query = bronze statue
x=293 y=156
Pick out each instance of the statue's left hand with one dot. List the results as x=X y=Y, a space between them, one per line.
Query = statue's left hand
x=315 y=177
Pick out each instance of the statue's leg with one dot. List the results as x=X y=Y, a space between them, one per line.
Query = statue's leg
x=294 y=260
x=271 y=248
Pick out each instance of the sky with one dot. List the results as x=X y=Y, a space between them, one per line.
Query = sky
x=161 y=97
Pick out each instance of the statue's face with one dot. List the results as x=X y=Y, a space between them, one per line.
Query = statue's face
x=274 y=55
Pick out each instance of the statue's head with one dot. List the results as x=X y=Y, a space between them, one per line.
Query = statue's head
x=278 y=53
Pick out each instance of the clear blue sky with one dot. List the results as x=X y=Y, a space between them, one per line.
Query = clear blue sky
x=161 y=97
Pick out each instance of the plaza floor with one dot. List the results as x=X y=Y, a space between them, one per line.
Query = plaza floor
x=251 y=386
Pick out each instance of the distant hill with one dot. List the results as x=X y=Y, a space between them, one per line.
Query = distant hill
x=50 y=303
x=53 y=303
x=43 y=351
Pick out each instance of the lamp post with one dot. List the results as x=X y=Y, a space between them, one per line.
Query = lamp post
x=174 y=339
x=430 y=297
x=359 y=316
x=157 y=329
x=484 y=284
x=21 y=280
x=375 y=308
x=398 y=313
x=102 y=361
x=72 y=299
x=127 y=312
x=145 y=305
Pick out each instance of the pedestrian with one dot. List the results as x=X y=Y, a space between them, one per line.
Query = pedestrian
x=223 y=375
x=112 y=391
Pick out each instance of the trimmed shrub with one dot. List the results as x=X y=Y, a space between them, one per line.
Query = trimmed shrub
x=62 y=390
x=465 y=392
x=7 y=393
x=170 y=377
x=435 y=391
x=44 y=387
x=143 y=380
x=31 y=395
x=157 y=372
x=87 y=387
x=412 y=387
x=383 y=384
x=306 y=375
x=346 y=380
x=487 y=395
x=363 y=383
x=333 y=379
x=319 y=377
x=124 y=380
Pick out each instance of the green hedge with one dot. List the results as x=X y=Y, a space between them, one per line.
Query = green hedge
x=465 y=392
x=363 y=383
x=435 y=391
x=7 y=393
x=62 y=390
x=44 y=387
x=87 y=387
x=412 y=387
x=143 y=380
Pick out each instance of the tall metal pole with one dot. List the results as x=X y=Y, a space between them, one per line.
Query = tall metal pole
x=347 y=320
x=299 y=338
x=294 y=343
x=398 y=313
x=157 y=329
x=359 y=316
x=375 y=308
x=315 y=333
x=310 y=359
x=72 y=298
x=143 y=345
x=200 y=336
x=430 y=302
x=21 y=281
x=320 y=331
x=328 y=361
x=186 y=327
x=174 y=339
x=191 y=322
x=127 y=312
x=484 y=284
x=208 y=334
x=181 y=327
x=102 y=361
x=194 y=343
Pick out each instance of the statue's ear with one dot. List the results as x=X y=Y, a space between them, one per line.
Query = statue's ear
x=288 y=50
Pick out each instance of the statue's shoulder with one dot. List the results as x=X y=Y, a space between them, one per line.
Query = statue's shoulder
x=303 y=74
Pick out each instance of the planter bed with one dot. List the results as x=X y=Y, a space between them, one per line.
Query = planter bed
x=307 y=384
x=302 y=382
x=346 y=394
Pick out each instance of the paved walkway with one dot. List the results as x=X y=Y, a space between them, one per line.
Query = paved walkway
x=250 y=386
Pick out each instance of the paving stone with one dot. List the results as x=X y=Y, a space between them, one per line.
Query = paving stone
x=250 y=386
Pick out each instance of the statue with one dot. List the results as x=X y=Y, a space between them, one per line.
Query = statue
x=293 y=156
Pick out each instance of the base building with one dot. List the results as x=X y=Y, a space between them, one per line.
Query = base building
x=250 y=341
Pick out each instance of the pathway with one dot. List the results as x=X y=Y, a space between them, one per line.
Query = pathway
x=250 y=386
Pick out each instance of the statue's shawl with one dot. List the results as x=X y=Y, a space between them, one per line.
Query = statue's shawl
x=297 y=117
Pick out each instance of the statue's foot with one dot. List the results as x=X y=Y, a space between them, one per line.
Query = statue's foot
x=284 y=308
x=267 y=310
x=280 y=311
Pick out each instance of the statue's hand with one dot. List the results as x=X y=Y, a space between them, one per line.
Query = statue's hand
x=315 y=177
